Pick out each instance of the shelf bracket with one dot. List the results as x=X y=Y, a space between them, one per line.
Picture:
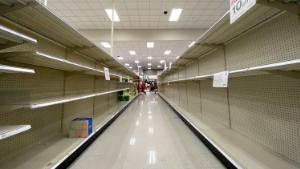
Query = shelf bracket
x=292 y=7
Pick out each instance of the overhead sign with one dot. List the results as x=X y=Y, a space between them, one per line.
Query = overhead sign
x=239 y=7
x=220 y=79
x=106 y=73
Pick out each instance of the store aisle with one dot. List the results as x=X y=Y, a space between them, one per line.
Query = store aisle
x=147 y=135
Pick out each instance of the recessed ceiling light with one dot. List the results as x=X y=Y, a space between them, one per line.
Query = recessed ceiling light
x=120 y=58
x=149 y=68
x=105 y=44
x=162 y=61
x=192 y=44
x=130 y=67
x=167 y=52
x=132 y=52
x=177 y=57
x=149 y=57
x=175 y=14
x=150 y=44
x=149 y=64
x=110 y=15
x=136 y=61
x=158 y=66
x=139 y=66
x=126 y=64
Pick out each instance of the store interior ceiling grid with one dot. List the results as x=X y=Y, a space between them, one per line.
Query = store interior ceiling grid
x=140 y=21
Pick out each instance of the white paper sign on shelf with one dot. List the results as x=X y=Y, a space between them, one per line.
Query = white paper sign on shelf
x=106 y=73
x=121 y=80
x=221 y=79
x=239 y=7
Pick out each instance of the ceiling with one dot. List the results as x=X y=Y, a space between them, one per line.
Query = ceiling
x=140 y=21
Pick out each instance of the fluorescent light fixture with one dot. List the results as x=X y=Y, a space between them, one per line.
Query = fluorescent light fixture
x=132 y=52
x=149 y=68
x=177 y=57
x=152 y=157
x=149 y=57
x=126 y=64
x=71 y=99
x=149 y=117
x=158 y=66
x=167 y=52
x=10 y=31
x=132 y=141
x=175 y=14
x=105 y=44
x=130 y=67
x=149 y=64
x=192 y=44
x=120 y=58
x=136 y=61
x=150 y=130
x=110 y=14
x=162 y=61
x=13 y=69
x=150 y=44
x=137 y=123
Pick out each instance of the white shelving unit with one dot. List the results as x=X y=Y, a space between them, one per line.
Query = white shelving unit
x=56 y=101
x=222 y=32
x=14 y=69
x=11 y=130
x=256 y=70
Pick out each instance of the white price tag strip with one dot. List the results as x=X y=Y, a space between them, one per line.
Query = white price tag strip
x=221 y=79
x=106 y=73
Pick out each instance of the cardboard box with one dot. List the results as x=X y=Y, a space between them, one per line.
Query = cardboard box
x=81 y=127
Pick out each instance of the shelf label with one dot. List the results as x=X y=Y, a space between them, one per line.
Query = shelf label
x=221 y=79
x=239 y=7
x=106 y=73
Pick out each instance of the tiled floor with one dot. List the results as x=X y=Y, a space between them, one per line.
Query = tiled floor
x=148 y=135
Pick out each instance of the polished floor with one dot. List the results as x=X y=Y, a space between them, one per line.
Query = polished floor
x=148 y=135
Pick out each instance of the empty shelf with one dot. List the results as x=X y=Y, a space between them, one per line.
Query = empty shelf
x=56 y=101
x=42 y=59
x=13 y=69
x=291 y=65
x=11 y=130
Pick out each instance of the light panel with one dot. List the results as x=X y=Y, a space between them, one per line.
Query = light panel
x=126 y=64
x=112 y=16
x=175 y=14
x=105 y=44
x=132 y=52
x=167 y=52
x=136 y=61
x=149 y=57
x=149 y=64
x=162 y=61
x=150 y=44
